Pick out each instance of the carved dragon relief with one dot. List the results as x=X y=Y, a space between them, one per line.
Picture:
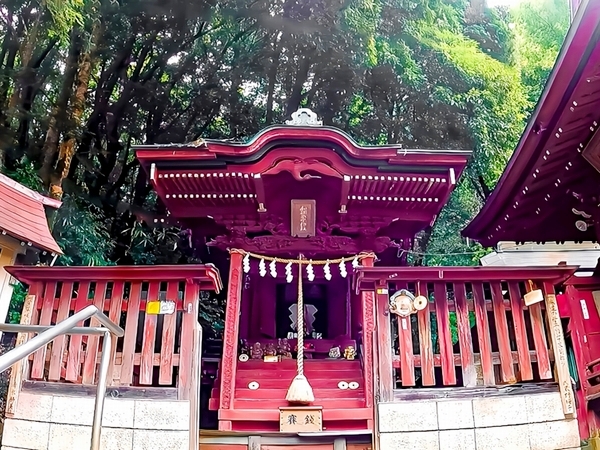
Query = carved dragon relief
x=298 y=166
x=276 y=237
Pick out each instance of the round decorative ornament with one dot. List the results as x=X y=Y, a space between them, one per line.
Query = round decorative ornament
x=343 y=385
x=581 y=225
x=401 y=303
x=420 y=303
x=253 y=385
x=353 y=385
x=243 y=357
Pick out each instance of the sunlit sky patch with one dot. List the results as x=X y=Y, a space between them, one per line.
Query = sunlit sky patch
x=492 y=3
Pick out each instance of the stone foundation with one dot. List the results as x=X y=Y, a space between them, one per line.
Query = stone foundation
x=515 y=422
x=52 y=422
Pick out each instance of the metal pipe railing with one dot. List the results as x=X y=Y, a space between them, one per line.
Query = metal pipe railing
x=68 y=326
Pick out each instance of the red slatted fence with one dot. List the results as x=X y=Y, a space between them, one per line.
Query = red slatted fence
x=155 y=351
x=475 y=330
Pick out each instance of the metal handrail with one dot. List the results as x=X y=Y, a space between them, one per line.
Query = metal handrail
x=68 y=326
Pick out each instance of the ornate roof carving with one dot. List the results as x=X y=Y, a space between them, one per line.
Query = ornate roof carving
x=304 y=117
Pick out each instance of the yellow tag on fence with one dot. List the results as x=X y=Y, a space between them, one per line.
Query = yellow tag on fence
x=158 y=307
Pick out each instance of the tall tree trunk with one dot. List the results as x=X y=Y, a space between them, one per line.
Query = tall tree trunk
x=11 y=44
x=26 y=54
x=67 y=147
x=272 y=81
x=296 y=95
x=58 y=120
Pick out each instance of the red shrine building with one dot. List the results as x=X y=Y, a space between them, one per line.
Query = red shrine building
x=330 y=341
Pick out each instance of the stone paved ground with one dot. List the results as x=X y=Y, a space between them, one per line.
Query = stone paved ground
x=5 y=346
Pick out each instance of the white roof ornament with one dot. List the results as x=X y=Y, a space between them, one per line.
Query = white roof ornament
x=304 y=117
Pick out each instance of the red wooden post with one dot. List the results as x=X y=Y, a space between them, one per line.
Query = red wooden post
x=444 y=336
x=483 y=334
x=39 y=357
x=149 y=339
x=384 y=339
x=516 y=306
x=168 y=338
x=539 y=339
x=91 y=354
x=464 y=336
x=58 y=346
x=114 y=314
x=187 y=347
x=405 y=348
x=506 y=362
x=230 y=336
x=368 y=324
x=75 y=341
x=131 y=329
x=425 y=342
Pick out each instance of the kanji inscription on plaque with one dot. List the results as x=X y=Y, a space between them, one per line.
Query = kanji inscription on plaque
x=300 y=419
x=303 y=218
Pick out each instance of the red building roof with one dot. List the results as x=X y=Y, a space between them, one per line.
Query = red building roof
x=384 y=192
x=23 y=217
x=549 y=190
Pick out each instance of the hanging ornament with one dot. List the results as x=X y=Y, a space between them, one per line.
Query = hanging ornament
x=273 y=269
x=355 y=263
x=288 y=273
x=327 y=271
x=246 y=263
x=262 y=269
x=343 y=271
x=310 y=272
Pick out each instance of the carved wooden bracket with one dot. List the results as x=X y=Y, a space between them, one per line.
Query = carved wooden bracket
x=297 y=166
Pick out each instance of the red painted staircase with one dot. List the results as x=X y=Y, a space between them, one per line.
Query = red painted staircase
x=258 y=410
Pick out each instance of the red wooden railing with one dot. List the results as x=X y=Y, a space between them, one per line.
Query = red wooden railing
x=156 y=350
x=478 y=326
x=475 y=330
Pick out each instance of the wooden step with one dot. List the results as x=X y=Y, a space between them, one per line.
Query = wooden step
x=320 y=364
x=262 y=403
x=281 y=393
x=275 y=367
x=284 y=383
x=259 y=415
x=286 y=377
x=275 y=404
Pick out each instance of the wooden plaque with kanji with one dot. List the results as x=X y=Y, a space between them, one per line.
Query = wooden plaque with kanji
x=304 y=218
x=295 y=419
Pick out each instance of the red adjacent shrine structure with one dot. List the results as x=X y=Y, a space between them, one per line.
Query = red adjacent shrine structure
x=549 y=193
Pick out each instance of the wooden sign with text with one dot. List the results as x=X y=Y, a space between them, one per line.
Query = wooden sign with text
x=303 y=218
x=295 y=419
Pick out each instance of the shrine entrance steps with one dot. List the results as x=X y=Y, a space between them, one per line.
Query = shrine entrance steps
x=258 y=409
x=221 y=440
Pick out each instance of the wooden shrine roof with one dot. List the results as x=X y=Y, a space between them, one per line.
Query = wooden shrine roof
x=370 y=186
x=22 y=215
x=550 y=190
